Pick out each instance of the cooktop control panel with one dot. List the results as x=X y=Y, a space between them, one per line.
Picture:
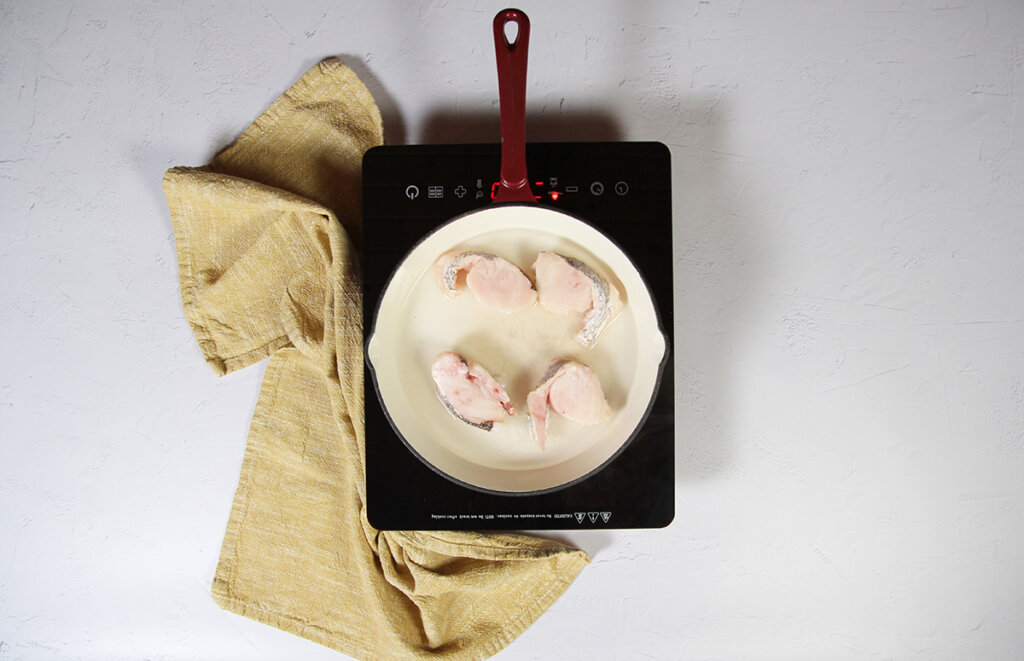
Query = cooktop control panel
x=621 y=188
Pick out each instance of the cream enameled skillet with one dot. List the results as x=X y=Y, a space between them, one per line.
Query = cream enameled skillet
x=415 y=322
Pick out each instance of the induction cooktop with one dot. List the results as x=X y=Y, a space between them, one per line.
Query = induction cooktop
x=621 y=188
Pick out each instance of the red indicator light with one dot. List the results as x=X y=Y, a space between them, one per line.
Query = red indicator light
x=554 y=195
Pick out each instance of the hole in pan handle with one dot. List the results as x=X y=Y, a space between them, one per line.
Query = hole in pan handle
x=512 y=57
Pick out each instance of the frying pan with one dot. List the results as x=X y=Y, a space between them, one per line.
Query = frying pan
x=415 y=322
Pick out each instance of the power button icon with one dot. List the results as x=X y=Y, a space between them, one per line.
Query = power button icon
x=412 y=192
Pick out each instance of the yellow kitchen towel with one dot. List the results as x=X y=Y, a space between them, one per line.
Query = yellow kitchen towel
x=266 y=239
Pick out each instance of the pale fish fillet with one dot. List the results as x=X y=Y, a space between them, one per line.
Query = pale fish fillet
x=494 y=281
x=572 y=390
x=469 y=392
x=566 y=285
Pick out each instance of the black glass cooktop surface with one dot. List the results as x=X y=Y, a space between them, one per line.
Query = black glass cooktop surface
x=621 y=188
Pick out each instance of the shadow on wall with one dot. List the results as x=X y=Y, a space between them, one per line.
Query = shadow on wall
x=715 y=262
x=443 y=126
x=394 y=124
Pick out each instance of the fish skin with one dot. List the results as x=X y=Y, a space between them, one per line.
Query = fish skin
x=486 y=426
x=453 y=264
x=539 y=399
x=603 y=305
x=537 y=404
x=449 y=369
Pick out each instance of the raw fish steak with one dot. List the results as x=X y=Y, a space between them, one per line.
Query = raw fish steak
x=574 y=391
x=469 y=392
x=494 y=281
x=566 y=285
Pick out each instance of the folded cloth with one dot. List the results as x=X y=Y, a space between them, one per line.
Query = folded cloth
x=265 y=240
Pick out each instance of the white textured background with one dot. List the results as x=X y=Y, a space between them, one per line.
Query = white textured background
x=849 y=222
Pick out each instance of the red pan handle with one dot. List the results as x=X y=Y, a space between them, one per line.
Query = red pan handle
x=515 y=185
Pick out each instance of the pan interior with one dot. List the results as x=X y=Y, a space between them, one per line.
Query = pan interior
x=416 y=321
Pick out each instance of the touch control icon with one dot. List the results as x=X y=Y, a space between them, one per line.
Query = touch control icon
x=597 y=188
x=621 y=188
x=412 y=192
